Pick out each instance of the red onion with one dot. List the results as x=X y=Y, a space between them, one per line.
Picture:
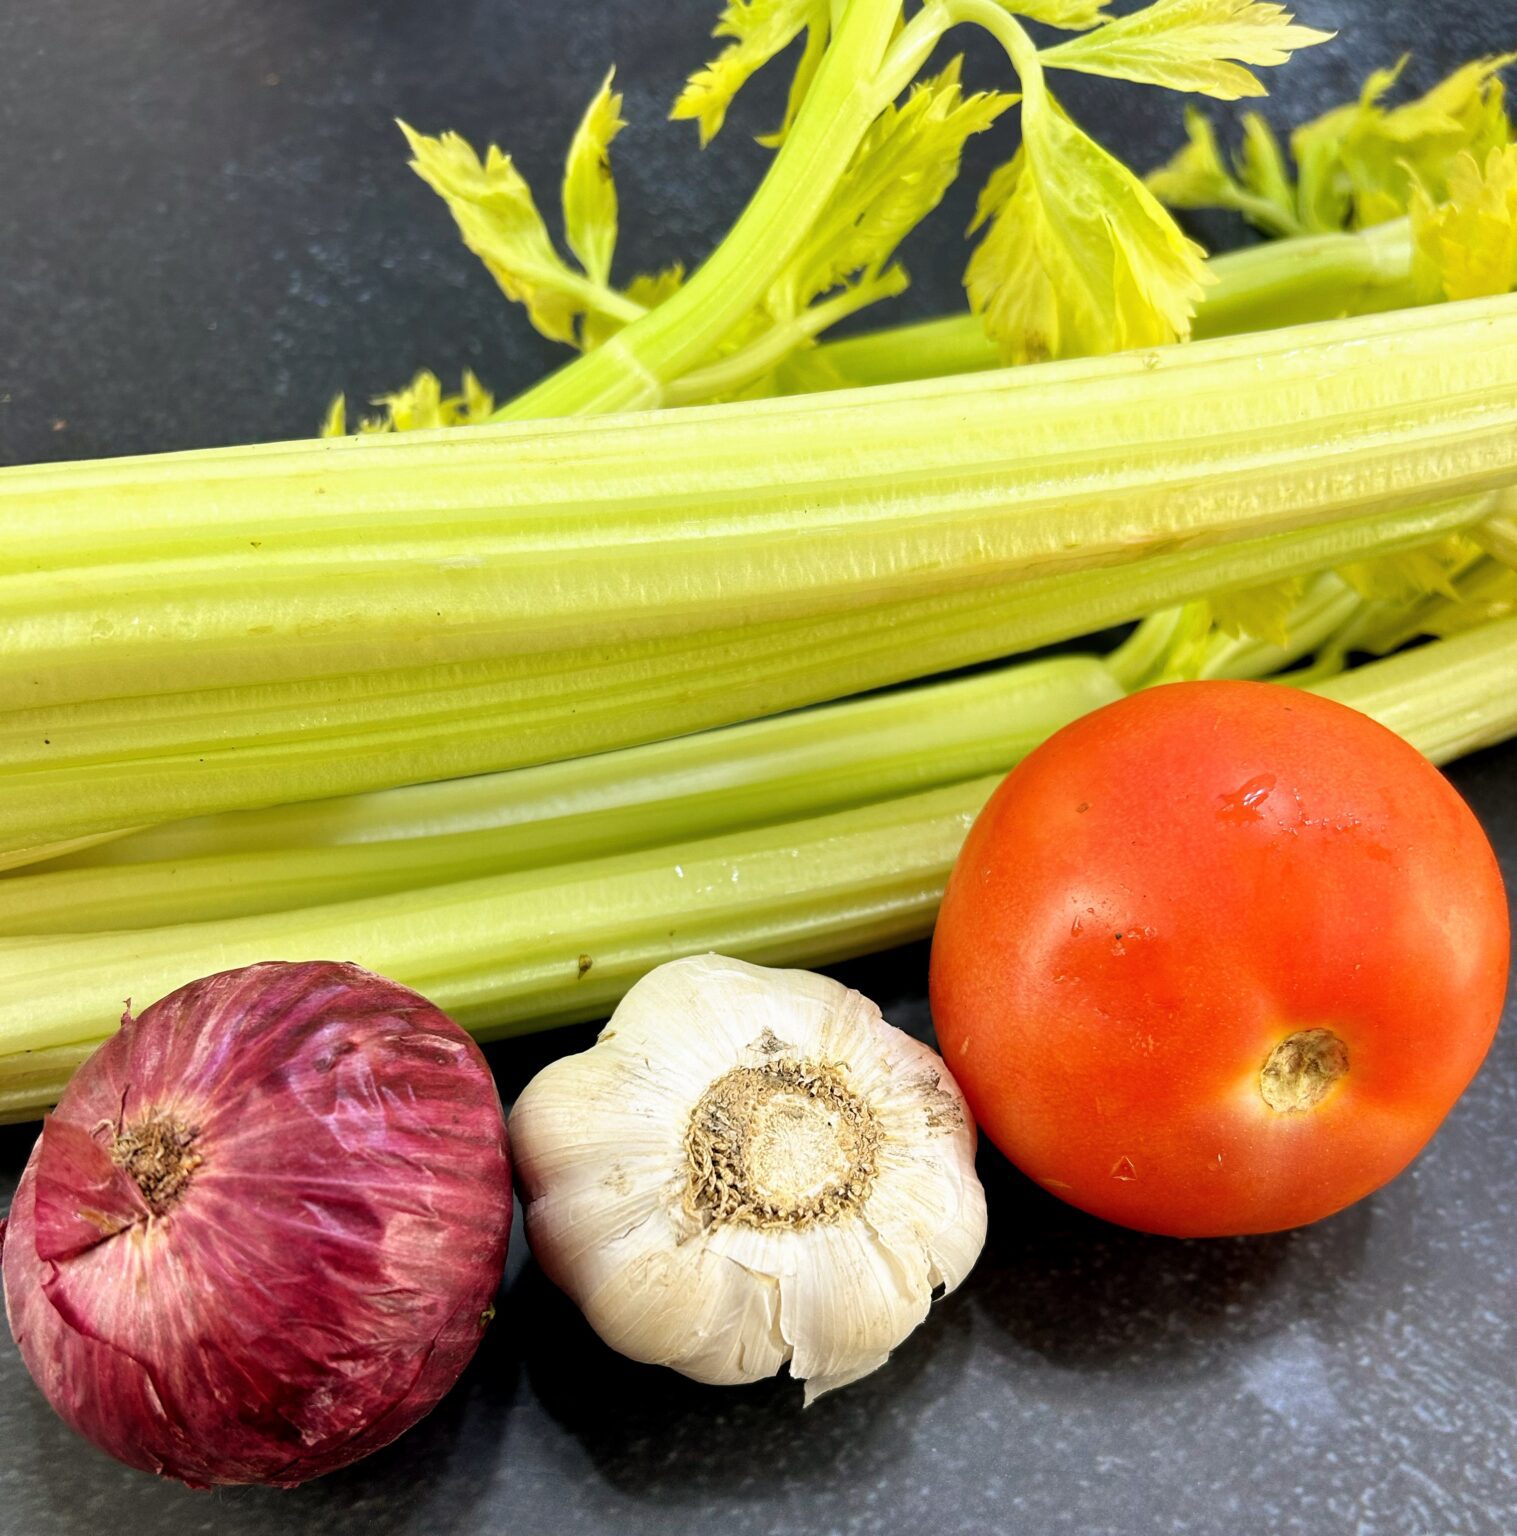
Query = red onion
x=261 y=1234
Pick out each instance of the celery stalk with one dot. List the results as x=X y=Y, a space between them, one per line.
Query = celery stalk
x=765 y=771
x=1448 y=698
x=508 y=954
x=237 y=567
x=341 y=616
x=88 y=768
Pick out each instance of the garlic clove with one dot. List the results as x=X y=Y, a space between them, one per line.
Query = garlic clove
x=750 y=1167
x=933 y=1223
x=844 y=1307
x=601 y=1217
x=929 y=1200
x=614 y=1119
x=716 y=1320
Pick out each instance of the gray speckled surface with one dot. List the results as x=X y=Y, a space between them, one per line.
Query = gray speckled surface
x=207 y=228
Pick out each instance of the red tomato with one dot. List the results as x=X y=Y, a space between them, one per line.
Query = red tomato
x=1219 y=958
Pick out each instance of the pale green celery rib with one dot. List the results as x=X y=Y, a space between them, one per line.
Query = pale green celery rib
x=86 y=768
x=225 y=569
x=1447 y=698
x=769 y=770
x=1277 y=283
x=508 y=954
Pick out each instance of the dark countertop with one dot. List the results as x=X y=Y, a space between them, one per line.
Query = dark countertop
x=208 y=228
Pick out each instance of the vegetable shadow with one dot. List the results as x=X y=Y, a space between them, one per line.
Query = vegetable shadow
x=653 y=1434
x=1088 y=1296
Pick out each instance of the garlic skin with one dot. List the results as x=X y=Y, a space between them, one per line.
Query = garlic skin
x=750 y=1167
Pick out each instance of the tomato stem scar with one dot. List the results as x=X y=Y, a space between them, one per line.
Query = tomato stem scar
x=1301 y=1069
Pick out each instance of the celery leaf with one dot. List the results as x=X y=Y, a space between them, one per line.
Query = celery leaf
x=1488 y=593
x=1262 y=612
x=1436 y=588
x=1080 y=258
x=1356 y=165
x=335 y=422
x=1466 y=247
x=1189 y=45
x=1258 y=186
x=493 y=208
x=1443 y=589
x=589 y=193
x=1196 y=175
x=1262 y=168
x=650 y=289
x=759 y=29
x=1412 y=573
x=422 y=405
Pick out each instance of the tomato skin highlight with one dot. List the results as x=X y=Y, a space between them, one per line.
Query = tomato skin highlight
x=1164 y=891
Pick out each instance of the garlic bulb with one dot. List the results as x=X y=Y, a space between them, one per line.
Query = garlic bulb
x=750 y=1167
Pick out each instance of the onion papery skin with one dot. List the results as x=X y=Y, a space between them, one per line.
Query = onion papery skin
x=328 y=1266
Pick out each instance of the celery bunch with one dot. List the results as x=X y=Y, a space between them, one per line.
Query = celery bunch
x=483 y=700
x=529 y=948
